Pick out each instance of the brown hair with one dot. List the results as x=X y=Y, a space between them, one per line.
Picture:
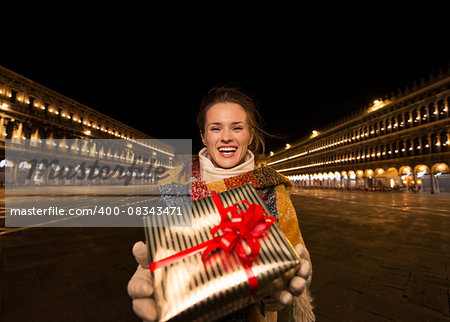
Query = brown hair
x=233 y=94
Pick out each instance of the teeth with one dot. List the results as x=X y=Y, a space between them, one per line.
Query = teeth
x=225 y=150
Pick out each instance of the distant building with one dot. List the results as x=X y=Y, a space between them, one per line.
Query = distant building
x=397 y=143
x=31 y=111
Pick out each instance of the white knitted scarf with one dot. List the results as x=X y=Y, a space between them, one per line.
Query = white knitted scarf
x=210 y=173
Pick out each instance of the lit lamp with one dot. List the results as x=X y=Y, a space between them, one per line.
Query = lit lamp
x=314 y=134
x=288 y=146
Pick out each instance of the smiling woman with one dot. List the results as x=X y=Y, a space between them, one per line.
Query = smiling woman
x=230 y=131
x=227 y=135
x=241 y=109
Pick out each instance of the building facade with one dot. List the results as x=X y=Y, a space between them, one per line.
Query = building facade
x=34 y=115
x=397 y=143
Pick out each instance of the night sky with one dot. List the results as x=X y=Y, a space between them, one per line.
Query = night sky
x=296 y=92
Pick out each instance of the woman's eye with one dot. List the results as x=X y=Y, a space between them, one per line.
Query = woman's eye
x=215 y=129
x=238 y=128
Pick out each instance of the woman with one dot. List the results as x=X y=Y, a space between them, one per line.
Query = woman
x=228 y=123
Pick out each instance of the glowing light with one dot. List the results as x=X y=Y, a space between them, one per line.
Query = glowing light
x=377 y=104
x=392 y=183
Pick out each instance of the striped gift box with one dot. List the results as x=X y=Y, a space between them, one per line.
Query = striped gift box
x=190 y=289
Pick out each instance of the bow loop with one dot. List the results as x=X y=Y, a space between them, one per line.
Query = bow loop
x=244 y=228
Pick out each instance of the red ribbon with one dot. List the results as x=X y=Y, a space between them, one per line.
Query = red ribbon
x=244 y=227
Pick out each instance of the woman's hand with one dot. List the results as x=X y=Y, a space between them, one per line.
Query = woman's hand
x=296 y=286
x=140 y=286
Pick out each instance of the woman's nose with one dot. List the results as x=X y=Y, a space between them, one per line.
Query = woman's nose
x=227 y=135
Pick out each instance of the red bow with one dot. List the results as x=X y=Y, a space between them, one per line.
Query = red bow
x=244 y=227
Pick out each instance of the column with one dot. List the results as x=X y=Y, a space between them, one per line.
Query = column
x=438 y=143
x=446 y=107
x=419 y=115
x=416 y=187
x=436 y=110
x=408 y=122
x=389 y=125
x=432 y=179
x=427 y=113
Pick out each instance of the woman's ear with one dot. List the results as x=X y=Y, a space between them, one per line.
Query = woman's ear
x=251 y=136
x=203 y=138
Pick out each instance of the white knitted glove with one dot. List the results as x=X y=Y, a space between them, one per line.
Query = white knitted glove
x=140 y=286
x=296 y=286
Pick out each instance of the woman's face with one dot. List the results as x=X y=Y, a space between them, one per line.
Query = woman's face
x=227 y=134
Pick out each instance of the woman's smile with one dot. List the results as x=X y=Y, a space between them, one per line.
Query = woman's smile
x=227 y=151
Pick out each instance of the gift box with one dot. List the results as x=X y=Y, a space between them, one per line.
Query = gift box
x=233 y=255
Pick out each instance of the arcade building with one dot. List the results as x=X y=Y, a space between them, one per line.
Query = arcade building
x=34 y=115
x=398 y=143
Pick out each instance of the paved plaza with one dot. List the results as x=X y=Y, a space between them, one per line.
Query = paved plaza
x=377 y=256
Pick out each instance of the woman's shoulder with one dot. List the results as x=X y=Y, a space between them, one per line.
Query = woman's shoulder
x=268 y=177
x=181 y=173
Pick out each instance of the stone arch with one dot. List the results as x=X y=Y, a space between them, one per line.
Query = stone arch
x=440 y=177
x=392 y=178
x=405 y=170
x=421 y=167
x=392 y=171
x=368 y=173
x=379 y=179
x=422 y=177
x=439 y=168
x=407 y=177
